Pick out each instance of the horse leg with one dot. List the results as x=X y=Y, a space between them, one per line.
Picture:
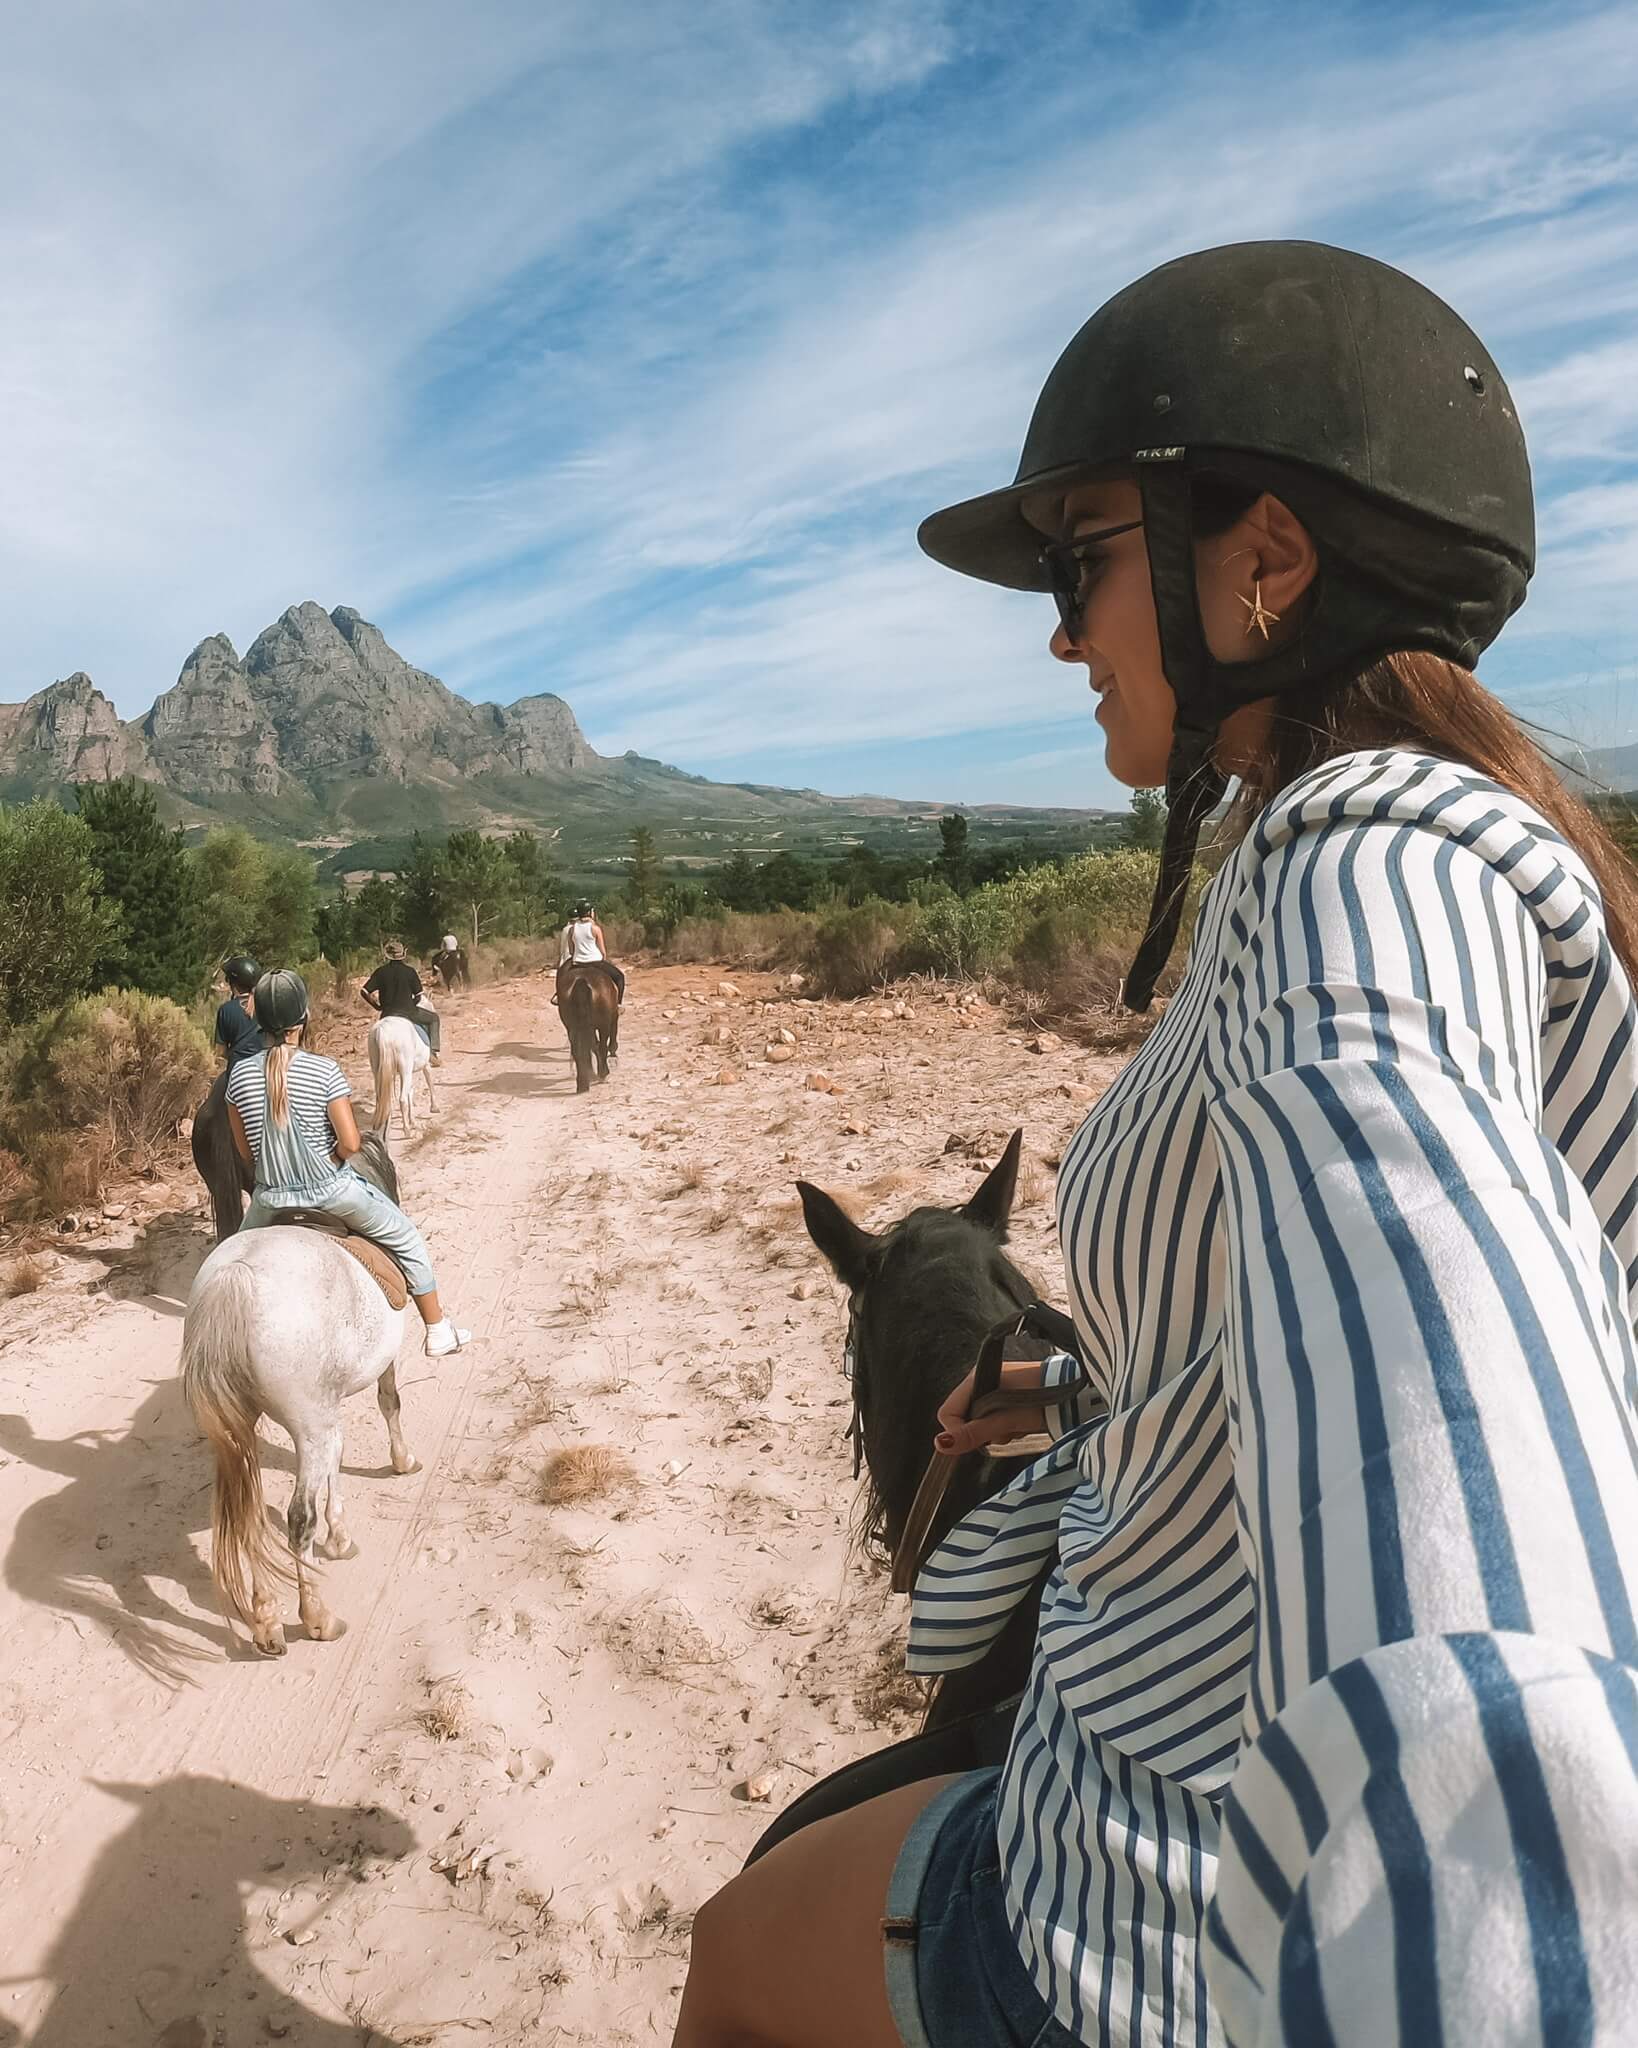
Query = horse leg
x=386 y=1399
x=432 y=1101
x=316 y=1463
x=337 y=1543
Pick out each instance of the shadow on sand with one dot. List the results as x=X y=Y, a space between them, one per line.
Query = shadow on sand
x=102 y=1546
x=156 y=1954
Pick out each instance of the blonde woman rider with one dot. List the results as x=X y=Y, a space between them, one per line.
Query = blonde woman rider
x=292 y=1117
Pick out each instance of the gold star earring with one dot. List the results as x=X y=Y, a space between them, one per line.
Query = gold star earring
x=1261 y=617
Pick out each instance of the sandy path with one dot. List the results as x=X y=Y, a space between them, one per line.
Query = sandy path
x=487 y=1813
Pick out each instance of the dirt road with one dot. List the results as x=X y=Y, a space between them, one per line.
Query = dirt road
x=487 y=1814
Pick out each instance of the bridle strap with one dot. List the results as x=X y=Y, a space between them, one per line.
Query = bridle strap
x=1032 y=1318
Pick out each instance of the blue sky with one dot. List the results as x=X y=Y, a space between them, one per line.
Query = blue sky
x=617 y=349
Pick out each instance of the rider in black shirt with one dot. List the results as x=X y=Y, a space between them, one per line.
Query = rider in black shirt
x=395 y=990
x=236 y=1032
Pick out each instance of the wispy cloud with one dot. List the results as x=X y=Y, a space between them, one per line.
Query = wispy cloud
x=609 y=351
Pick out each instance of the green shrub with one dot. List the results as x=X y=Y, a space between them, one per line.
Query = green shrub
x=113 y=1074
x=54 y=924
x=736 y=938
x=854 y=948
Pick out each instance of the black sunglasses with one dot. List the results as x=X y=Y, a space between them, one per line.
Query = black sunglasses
x=1066 y=571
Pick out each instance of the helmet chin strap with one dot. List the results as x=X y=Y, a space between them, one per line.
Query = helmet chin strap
x=1194 y=783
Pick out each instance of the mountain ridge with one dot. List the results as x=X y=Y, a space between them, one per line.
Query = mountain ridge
x=322 y=727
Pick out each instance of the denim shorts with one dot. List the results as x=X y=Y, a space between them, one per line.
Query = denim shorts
x=955 y=1978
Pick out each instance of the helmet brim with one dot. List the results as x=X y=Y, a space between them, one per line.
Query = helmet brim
x=989 y=537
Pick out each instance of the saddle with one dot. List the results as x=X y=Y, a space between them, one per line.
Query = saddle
x=381 y=1267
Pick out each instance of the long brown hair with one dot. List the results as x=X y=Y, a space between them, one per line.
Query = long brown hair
x=1437 y=707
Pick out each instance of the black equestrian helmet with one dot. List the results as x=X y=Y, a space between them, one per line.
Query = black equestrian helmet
x=1342 y=386
x=1293 y=351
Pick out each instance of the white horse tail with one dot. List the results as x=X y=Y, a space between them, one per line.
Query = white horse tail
x=381 y=1115
x=215 y=1340
x=392 y=1071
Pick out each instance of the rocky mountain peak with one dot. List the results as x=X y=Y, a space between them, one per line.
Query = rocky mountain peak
x=68 y=732
x=318 y=702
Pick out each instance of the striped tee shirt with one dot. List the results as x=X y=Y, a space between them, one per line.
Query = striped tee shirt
x=1332 y=1731
x=293 y=1165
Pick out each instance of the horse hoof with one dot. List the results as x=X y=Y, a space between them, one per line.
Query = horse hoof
x=270 y=1646
x=409 y=1465
x=331 y=1629
x=338 y=1556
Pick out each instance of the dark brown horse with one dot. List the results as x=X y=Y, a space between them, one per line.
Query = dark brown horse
x=924 y=1294
x=227 y=1179
x=590 y=1008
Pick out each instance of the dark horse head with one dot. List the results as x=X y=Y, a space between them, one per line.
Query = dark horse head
x=924 y=1294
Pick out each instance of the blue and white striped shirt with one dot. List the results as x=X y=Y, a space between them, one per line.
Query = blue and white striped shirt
x=1332 y=1732
x=294 y=1166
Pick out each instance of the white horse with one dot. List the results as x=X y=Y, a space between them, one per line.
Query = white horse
x=283 y=1322
x=398 y=1053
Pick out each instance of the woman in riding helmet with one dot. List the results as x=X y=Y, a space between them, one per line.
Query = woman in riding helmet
x=1332 y=1729
x=582 y=943
x=292 y=1118
x=236 y=1034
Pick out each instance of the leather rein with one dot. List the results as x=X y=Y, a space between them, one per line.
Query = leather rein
x=1031 y=1317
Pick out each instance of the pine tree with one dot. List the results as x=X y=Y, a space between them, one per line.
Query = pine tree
x=480 y=886
x=955 y=862
x=54 y=923
x=145 y=876
x=1147 y=826
x=643 y=874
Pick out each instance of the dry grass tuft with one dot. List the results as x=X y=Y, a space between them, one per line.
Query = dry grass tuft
x=716 y=1217
x=588 y=1291
x=690 y=1179
x=755 y=1378
x=538 y=1405
x=615 y=1376
x=659 y=1639
x=570 y=1560
x=887 y=1694
x=585 y=1472
x=26 y=1275
x=447 y=1715
x=777 y=1607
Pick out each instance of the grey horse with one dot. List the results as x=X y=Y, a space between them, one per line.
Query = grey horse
x=284 y=1323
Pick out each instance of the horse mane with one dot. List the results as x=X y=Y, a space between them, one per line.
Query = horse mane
x=374 y=1162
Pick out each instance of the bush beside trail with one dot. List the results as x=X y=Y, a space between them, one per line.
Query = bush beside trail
x=1059 y=938
x=105 y=1082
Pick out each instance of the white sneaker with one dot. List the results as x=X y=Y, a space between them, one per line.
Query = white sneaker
x=443 y=1338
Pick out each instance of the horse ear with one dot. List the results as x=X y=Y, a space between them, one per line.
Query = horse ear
x=991 y=1207
x=850 y=1249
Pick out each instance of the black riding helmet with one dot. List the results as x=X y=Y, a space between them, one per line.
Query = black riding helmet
x=280 y=1003
x=241 y=973
x=1343 y=387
